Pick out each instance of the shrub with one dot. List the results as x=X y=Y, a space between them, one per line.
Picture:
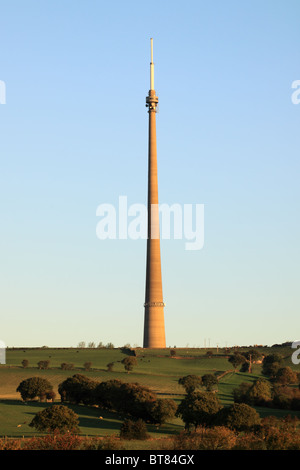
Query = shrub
x=249 y=441
x=25 y=363
x=134 y=430
x=104 y=443
x=87 y=365
x=56 y=417
x=10 y=444
x=215 y=438
x=54 y=441
x=110 y=366
x=280 y=434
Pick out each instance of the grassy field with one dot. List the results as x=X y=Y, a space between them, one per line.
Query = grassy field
x=156 y=369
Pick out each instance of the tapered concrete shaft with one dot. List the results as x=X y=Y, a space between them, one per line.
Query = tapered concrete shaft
x=154 y=326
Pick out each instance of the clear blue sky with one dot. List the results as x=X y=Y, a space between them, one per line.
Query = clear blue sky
x=74 y=135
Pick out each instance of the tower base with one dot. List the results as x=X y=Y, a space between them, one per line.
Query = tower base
x=154 y=328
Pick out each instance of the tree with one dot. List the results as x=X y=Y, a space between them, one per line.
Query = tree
x=129 y=363
x=286 y=376
x=43 y=364
x=34 y=387
x=109 y=346
x=240 y=392
x=130 y=398
x=87 y=365
x=198 y=408
x=91 y=344
x=209 y=380
x=25 y=363
x=81 y=344
x=238 y=416
x=56 y=417
x=271 y=364
x=190 y=382
x=77 y=389
x=162 y=409
x=260 y=393
x=110 y=366
x=236 y=360
x=135 y=400
x=66 y=366
x=107 y=394
x=252 y=355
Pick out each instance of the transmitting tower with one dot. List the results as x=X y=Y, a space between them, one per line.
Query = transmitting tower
x=154 y=326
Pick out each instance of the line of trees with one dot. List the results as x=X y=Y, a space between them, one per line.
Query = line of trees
x=193 y=382
x=132 y=399
x=91 y=344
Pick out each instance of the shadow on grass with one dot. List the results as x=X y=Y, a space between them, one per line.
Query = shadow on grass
x=89 y=417
x=24 y=403
x=92 y=417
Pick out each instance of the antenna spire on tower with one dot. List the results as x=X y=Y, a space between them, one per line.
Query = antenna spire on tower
x=151 y=67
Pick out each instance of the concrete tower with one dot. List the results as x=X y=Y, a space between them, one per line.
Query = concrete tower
x=154 y=326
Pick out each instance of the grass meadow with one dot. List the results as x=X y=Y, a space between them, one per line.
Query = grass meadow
x=156 y=369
